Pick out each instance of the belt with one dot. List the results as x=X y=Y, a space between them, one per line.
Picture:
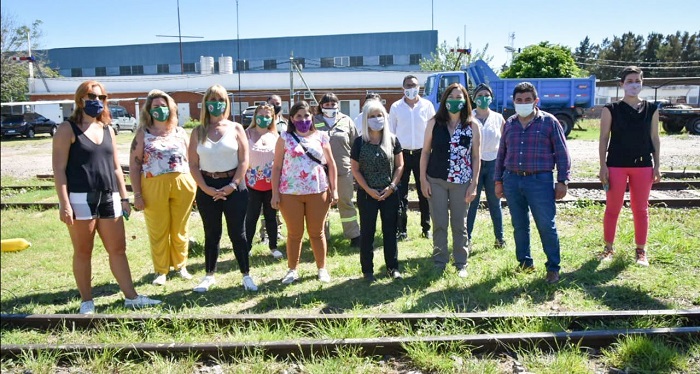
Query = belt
x=219 y=174
x=525 y=173
x=413 y=151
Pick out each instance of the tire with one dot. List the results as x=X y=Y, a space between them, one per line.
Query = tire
x=30 y=133
x=116 y=130
x=53 y=130
x=566 y=123
x=693 y=126
x=672 y=127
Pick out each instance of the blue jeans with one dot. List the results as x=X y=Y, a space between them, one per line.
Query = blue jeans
x=533 y=193
x=486 y=181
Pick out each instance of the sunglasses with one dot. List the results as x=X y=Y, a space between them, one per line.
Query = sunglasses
x=92 y=96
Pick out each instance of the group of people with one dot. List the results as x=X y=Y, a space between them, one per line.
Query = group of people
x=302 y=166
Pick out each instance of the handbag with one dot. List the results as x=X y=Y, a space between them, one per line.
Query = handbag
x=312 y=157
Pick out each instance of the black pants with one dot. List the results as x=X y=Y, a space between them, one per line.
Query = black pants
x=387 y=209
x=234 y=208
x=256 y=199
x=411 y=163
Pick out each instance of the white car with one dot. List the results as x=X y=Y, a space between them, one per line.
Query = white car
x=122 y=120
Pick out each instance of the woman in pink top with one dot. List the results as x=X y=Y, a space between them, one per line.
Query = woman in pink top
x=302 y=189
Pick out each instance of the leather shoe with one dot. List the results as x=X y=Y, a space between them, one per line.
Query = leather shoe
x=552 y=277
x=401 y=236
x=355 y=242
x=427 y=235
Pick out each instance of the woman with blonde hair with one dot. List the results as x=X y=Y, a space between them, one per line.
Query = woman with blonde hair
x=162 y=184
x=92 y=194
x=218 y=162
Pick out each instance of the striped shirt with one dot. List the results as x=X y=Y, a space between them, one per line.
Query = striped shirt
x=536 y=148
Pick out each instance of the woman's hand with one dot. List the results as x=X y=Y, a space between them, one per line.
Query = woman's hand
x=471 y=193
x=126 y=207
x=603 y=174
x=275 y=201
x=375 y=194
x=139 y=204
x=65 y=214
x=425 y=188
x=334 y=197
x=657 y=175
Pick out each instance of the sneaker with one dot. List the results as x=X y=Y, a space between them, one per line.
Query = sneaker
x=462 y=273
x=249 y=284
x=355 y=242
x=87 y=307
x=205 y=284
x=607 y=254
x=394 y=274
x=323 y=275
x=552 y=277
x=291 y=276
x=499 y=244
x=140 y=301
x=427 y=235
x=184 y=274
x=523 y=268
x=160 y=280
x=642 y=257
x=402 y=236
x=276 y=254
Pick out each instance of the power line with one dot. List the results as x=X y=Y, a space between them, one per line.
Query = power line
x=642 y=66
x=642 y=62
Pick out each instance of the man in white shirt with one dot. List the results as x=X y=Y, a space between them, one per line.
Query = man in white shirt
x=408 y=118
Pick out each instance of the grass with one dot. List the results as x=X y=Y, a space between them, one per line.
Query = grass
x=39 y=280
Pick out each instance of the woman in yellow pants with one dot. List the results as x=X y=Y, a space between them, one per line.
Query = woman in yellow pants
x=165 y=191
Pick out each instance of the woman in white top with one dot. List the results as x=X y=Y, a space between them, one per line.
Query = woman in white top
x=218 y=162
x=491 y=125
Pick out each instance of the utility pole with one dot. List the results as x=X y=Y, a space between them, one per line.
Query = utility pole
x=238 y=59
x=179 y=36
x=29 y=53
x=291 y=79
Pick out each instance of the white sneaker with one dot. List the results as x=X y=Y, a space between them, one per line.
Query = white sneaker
x=291 y=276
x=184 y=274
x=160 y=280
x=323 y=275
x=249 y=284
x=276 y=254
x=140 y=301
x=87 y=307
x=204 y=285
x=462 y=273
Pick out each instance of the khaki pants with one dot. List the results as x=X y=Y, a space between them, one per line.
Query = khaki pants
x=168 y=198
x=348 y=213
x=312 y=208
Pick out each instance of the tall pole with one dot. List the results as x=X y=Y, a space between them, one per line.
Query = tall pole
x=291 y=79
x=179 y=35
x=29 y=54
x=238 y=58
x=432 y=14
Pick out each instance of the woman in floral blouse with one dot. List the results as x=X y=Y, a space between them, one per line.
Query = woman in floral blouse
x=165 y=189
x=302 y=189
x=449 y=170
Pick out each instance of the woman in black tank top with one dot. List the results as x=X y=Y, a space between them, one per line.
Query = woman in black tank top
x=89 y=182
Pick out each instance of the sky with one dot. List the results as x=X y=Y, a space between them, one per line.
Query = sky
x=81 y=23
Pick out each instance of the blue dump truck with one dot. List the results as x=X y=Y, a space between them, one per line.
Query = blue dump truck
x=566 y=98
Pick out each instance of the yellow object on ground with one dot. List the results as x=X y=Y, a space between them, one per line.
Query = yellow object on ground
x=14 y=245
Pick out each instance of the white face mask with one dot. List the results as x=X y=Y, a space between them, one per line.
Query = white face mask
x=330 y=112
x=411 y=93
x=524 y=110
x=376 y=123
x=632 y=89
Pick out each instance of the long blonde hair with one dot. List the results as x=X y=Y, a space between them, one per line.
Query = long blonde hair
x=145 y=119
x=204 y=115
x=387 y=137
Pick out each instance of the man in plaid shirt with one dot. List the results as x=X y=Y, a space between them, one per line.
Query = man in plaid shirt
x=532 y=143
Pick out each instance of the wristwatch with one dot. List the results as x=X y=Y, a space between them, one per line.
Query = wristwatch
x=393 y=187
x=566 y=182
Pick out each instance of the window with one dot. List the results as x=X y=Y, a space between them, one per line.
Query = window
x=414 y=59
x=356 y=61
x=189 y=67
x=137 y=70
x=327 y=62
x=242 y=65
x=163 y=69
x=100 y=71
x=342 y=61
x=125 y=70
x=270 y=64
x=386 y=60
x=76 y=72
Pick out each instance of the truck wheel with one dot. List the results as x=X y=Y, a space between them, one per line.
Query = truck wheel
x=672 y=127
x=116 y=130
x=566 y=123
x=693 y=126
x=30 y=133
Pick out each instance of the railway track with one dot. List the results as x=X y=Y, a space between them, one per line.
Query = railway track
x=577 y=331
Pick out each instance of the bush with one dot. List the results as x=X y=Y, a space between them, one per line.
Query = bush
x=191 y=123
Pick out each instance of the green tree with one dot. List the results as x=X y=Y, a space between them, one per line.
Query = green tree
x=544 y=60
x=444 y=60
x=13 y=43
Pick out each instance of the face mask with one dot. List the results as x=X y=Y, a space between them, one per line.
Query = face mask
x=524 y=110
x=216 y=108
x=303 y=125
x=161 y=113
x=93 y=108
x=411 y=93
x=483 y=102
x=376 y=123
x=632 y=89
x=329 y=112
x=278 y=109
x=454 y=106
x=262 y=122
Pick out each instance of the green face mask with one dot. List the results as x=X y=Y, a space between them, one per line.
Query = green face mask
x=454 y=106
x=161 y=113
x=216 y=108
x=483 y=102
x=262 y=121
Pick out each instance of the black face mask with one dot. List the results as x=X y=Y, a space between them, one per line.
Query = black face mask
x=278 y=109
